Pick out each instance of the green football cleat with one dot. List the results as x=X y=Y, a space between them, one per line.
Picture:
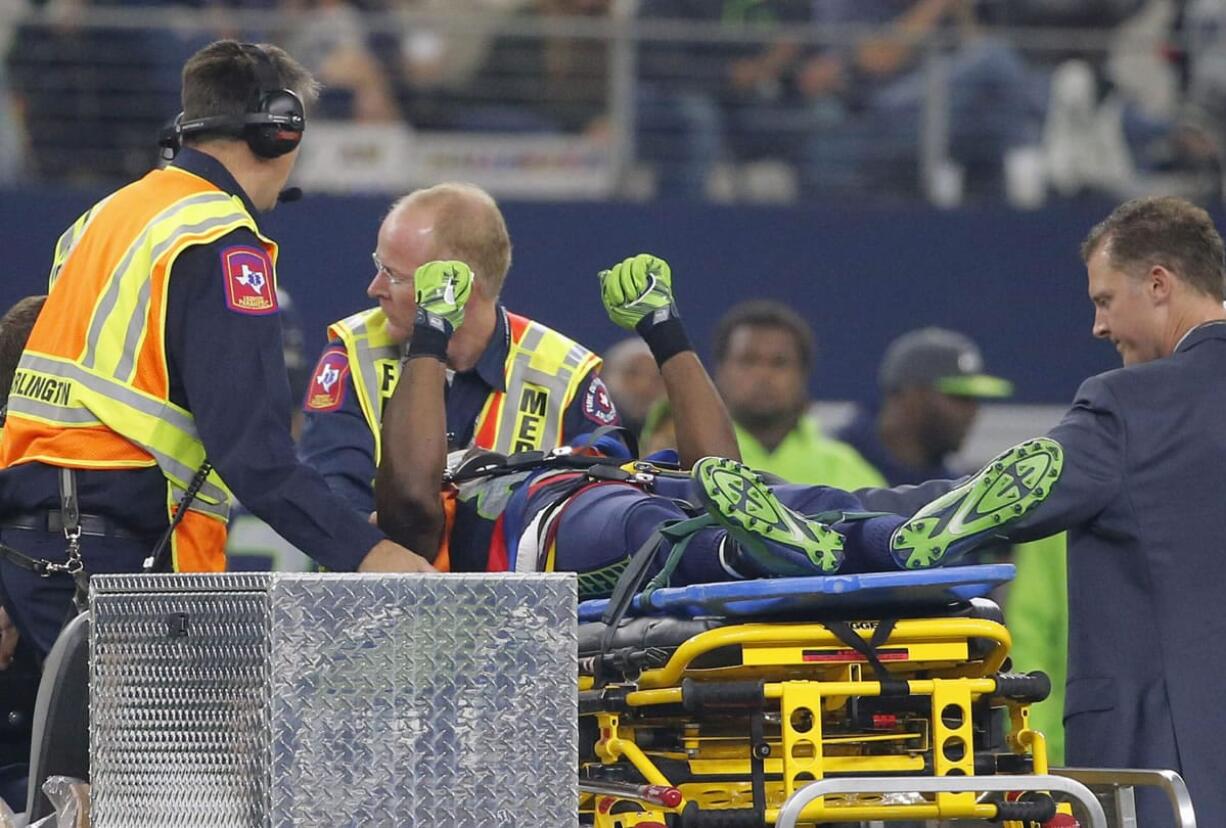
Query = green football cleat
x=1000 y=493
x=776 y=539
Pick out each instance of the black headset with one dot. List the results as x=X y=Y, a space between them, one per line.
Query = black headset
x=273 y=123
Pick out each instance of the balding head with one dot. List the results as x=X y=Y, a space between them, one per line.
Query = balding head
x=464 y=223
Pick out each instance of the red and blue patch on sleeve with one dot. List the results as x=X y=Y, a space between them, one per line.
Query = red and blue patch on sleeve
x=327 y=390
x=598 y=405
x=249 y=280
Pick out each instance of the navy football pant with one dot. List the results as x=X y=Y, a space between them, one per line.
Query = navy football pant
x=604 y=525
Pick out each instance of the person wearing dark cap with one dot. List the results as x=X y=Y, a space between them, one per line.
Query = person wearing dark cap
x=931 y=382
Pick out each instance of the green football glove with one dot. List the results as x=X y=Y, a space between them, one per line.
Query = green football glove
x=639 y=288
x=443 y=288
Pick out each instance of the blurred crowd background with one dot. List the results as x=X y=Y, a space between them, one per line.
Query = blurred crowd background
x=944 y=101
x=875 y=166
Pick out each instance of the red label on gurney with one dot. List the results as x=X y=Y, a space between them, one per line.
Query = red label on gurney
x=847 y=656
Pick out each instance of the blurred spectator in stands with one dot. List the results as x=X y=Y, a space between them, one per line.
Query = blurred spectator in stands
x=12 y=143
x=1093 y=17
x=442 y=46
x=329 y=37
x=634 y=381
x=659 y=431
x=764 y=356
x=1201 y=129
x=1144 y=115
x=931 y=382
x=1037 y=609
x=881 y=80
x=702 y=101
x=88 y=95
x=528 y=80
x=575 y=80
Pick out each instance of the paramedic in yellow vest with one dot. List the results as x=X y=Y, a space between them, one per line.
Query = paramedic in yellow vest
x=160 y=346
x=512 y=384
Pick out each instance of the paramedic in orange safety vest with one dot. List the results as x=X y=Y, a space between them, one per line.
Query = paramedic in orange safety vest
x=160 y=346
x=513 y=384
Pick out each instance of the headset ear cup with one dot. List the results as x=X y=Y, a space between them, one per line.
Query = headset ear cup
x=170 y=138
x=276 y=129
x=271 y=141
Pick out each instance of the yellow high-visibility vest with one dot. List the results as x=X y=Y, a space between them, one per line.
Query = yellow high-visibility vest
x=544 y=370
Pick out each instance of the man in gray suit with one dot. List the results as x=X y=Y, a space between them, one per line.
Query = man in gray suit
x=1142 y=494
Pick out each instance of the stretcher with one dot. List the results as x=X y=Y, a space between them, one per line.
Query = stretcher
x=717 y=705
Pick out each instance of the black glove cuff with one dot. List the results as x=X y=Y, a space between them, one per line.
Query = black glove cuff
x=431 y=334
x=665 y=338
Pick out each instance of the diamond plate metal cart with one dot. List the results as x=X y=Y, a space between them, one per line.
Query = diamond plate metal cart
x=295 y=699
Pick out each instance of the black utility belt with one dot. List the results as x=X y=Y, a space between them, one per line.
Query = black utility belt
x=52 y=521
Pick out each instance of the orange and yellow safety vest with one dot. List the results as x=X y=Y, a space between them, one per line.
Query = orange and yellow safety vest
x=92 y=386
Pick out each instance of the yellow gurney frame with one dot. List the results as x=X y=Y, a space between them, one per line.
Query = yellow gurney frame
x=797 y=678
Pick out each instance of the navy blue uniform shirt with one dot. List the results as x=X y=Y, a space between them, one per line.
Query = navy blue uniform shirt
x=228 y=369
x=340 y=445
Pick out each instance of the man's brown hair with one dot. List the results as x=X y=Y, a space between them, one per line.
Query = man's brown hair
x=222 y=79
x=15 y=327
x=468 y=227
x=1166 y=231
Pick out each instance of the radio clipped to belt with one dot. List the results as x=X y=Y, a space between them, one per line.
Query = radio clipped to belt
x=159 y=558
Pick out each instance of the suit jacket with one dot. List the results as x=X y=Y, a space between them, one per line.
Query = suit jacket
x=1143 y=497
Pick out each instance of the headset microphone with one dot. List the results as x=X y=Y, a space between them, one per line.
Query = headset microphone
x=289 y=194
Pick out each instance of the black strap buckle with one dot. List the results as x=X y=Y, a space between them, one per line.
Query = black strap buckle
x=39 y=566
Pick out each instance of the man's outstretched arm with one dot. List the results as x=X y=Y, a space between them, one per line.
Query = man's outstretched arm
x=410 y=473
x=638 y=295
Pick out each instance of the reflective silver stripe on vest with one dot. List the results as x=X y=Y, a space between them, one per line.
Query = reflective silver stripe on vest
x=47 y=411
x=109 y=388
x=136 y=323
x=221 y=510
x=64 y=246
x=521 y=374
x=576 y=355
x=130 y=398
x=111 y=297
x=71 y=236
x=367 y=359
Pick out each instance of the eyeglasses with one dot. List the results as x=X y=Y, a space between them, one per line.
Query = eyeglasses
x=393 y=278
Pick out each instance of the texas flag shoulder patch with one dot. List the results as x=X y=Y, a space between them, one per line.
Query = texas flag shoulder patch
x=327 y=390
x=597 y=404
x=248 y=276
